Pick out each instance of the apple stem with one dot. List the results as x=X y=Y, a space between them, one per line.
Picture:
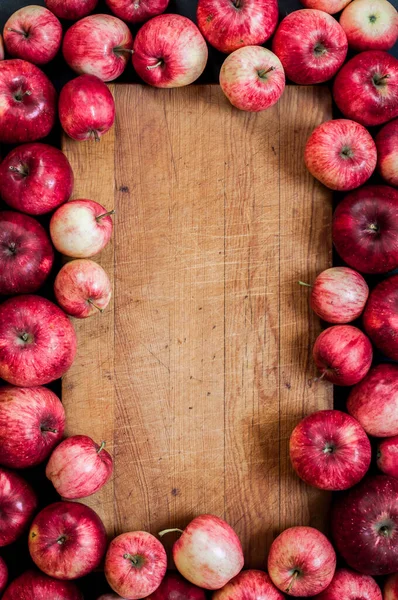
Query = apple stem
x=101 y=310
x=304 y=284
x=61 y=540
x=373 y=227
x=118 y=50
x=320 y=377
x=380 y=80
x=236 y=3
x=107 y=214
x=162 y=533
x=24 y=33
x=158 y=64
x=293 y=579
x=103 y=444
x=22 y=171
x=24 y=337
x=263 y=72
x=133 y=559
x=49 y=429
x=95 y=135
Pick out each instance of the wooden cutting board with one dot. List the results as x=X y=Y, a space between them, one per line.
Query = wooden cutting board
x=201 y=367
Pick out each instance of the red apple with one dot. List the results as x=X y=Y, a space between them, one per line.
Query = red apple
x=1 y=48
x=348 y=585
x=35 y=178
x=380 y=318
x=67 y=540
x=27 y=102
x=365 y=88
x=343 y=354
x=341 y=154
x=175 y=587
x=390 y=591
x=71 y=9
x=339 y=295
x=231 y=24
x=79 y=467
x=18 y=504
x=252 y=78
x=365 y=526
x=34 y=34
x=387 y=456
x=387 y=152
x=82 y=288
x=137 y=11
x=374 y=401
x=3 y=575
x=248 y=585
x=98 y=45
x=301 y=561
x=33 y=585
x=37 y=341
x=208 y=553
x=81 y=228
x=311 y=46
x=135 y=564
x=330 y=450
x=330 y=6
x=370 y=24
x=26 y=256
x=169 y=51
x=32 y=422
x=86 y=108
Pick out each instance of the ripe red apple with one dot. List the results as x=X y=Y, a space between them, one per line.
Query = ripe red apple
x=341 y=154
x=175 y=587
x=365 y=88
x=33 y=585
x=27 y=102
x=98 y=45
x=35 y=178
x=135 y=564
x=18 y=504
x=86 y=108
x=374 y=401
x=81 y=228
x=387 y=152
x=301 y=561
x=67 y=540
x=249 y=585
x=390 y=591
x=82 y=288
x=37 y=341
x=252 y=78
x=380 y=318
x=365 y=526
x=169 y=51
x=71 y=9
x=370 y=24
x=311 y=46
x=3 y=575
x=231 y=24
x=32 y=422
x=137 y=11
x=34 y=34
x=330 y=450
x=330 y=6
x=339 y=295
x=343 y=354
x=348 y=585
x=208 y=553
x=387 y=456
x=26 y=256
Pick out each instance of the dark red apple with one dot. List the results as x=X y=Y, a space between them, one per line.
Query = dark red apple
x=137 y=11
x=387 y=152
x=175 y=587
x=343 y=354
x=248 y=585
x=380 y=318
x=27 y=102
x=348 y=585
x=37 y=341
x=32 y=422
x=18 y=504
x=365 y=526
x=387 y=456
x=3 y=575
x=33 y=585
x=365 y=229
x=390 y=590
x=67 y=540
x=35 y=178
x=71 y=9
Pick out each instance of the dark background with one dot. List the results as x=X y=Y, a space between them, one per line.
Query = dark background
x=17 y=555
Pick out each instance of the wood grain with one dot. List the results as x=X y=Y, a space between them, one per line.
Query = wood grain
x=201 y=368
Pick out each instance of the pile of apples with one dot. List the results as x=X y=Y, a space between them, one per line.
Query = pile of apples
x=329 y=450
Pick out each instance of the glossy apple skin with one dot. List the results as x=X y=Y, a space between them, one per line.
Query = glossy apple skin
x=362 y=90
x=208 y=553
x=18 y=504
x=82 y=288
x=311 y=46
x=343 y=354
x=330 y=450
x=27 y=102
x=86 y=108
x=341 y=154
x=348 y=585
x=32 y=423
x=177 y=43
x=301 y=562
x=329 y=6
x=138 y=11
x=33 y=585
x=370 y=24
x=228 y=25
x=67 y=540
x=26 y=254
x=387 y=152
x=365 y=229
x=339 y=295
x=33 y=33
x=365 y=526
x=248 y=585
x=380 y=318
x=81 y=228
x=3 y=575
x=37 y=341
x=387 y=456
x=135 y=564
x=175 y=587
x=390 y=590
x=71 y=10
x=252 y=78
